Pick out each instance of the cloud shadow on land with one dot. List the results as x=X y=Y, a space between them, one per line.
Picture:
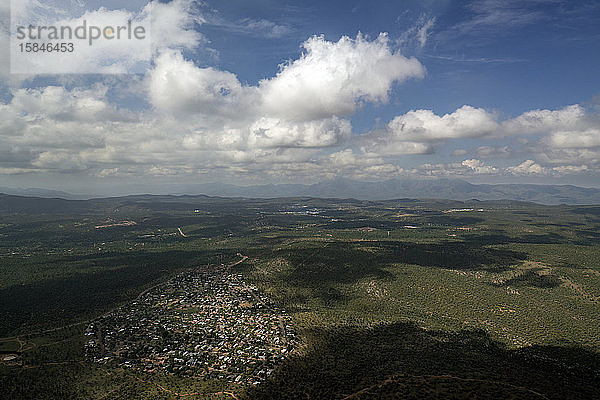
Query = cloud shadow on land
x=321 y=268
x=82 y=294
x=346 y=262
x=403 y=360
x=533 y=278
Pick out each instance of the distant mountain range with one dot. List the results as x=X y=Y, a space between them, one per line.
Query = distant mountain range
x=450 y=189
x=46 y=193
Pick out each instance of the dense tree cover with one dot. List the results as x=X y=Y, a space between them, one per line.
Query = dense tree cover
x=405 y=360
x=400 y=298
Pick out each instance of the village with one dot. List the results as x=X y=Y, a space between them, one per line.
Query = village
x=207 y=322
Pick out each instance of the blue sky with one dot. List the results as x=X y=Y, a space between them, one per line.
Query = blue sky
x=280 y=91
x=547 y=58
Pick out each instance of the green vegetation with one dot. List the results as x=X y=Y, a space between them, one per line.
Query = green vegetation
x=421 y=299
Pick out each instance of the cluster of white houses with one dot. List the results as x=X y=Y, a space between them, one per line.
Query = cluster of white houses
x=207 y=322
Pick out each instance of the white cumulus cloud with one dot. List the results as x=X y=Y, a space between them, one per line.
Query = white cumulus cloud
x=527 y=167
x=331 y=77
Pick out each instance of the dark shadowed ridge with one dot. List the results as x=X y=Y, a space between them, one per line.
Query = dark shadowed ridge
x=46 y=193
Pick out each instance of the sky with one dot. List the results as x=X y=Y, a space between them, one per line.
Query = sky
x=269 y=91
